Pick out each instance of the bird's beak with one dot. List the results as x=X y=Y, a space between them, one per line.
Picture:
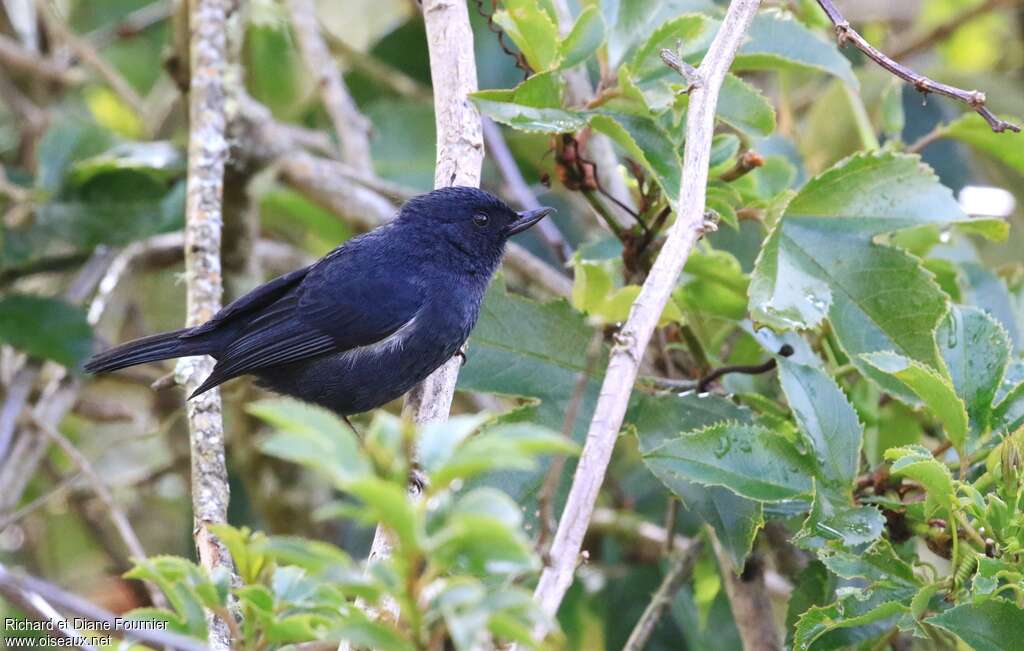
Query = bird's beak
x=527 y=218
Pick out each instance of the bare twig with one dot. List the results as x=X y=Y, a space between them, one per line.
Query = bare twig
x=973 y=98
x=681 y=564
x=133 y=24
x=84 y=50
x=207 y=153
x=15 y=57
x=632 y=339
x=117 y=516
x=912 y=44
x=748 y=596
x=12 y=583
x=352 y=127
x=520 y=191
x=39 y=502
x=748 y=161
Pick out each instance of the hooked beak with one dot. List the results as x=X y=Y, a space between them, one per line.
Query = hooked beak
x=527 y=218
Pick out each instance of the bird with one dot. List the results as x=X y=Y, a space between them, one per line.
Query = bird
x=368 y=321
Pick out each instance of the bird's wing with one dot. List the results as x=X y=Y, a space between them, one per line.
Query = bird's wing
x=341 y=304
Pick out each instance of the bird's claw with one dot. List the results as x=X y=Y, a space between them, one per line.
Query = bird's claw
x=461 y=354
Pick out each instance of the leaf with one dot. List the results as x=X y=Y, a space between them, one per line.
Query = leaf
x=988 y=625
x=644 y=140
x=437 y=441
x=918 y=463
x=778 y=40
x=64 y=143
x=832 y=519
x=850 y=620
x=526 y=118
x=821 y=259
x=713 y=283
x=532 y=30
x=976 y=350
x=933 y=389
x=481 y=536
x=1006 y=147
x=403 y=143
x=387 y=503
x=814 y=586
x=878 y=563
x=586 y=36
x=831 y=425
x=312 y=436
x=984 y=289
x=45 y=328
x=633 y=21
x=750 y=460
x=743 y=106
x=736 y=520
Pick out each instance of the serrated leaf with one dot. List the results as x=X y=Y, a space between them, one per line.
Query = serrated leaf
x=832 y=519
x=527 y=118
x=45 y=328
x=877 y=563
x=532 y=30
x=918 y=463
x=633 y=21
x=986 y=290
x=931 y=387
x=976 y=351
x=750 y=460
x=814 y=586
x=776 y=39
x=848 y=621
x=990 y=625
x=586 y=36
x=1006 y=147
x=821 y=259
x=648 y=143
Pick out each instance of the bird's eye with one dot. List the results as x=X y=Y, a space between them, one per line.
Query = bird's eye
x=481 y=220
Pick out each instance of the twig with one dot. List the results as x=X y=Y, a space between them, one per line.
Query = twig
x=58 y=627
x=14 y=401
x=747 y=369
x=91 y=58
x=117 y=516
x=133 y=24
x=382 y=73
x=748 y=596
x=749 y=161
x=40 y=501
x=499 y=152
x=632 y=339
x=15 y=57
x=546 y=495
x=940 y=131
x=207 y=153
x=912 y=44
x=680 y=566
x=973 y=98
x=12 y=583
x=352 y=127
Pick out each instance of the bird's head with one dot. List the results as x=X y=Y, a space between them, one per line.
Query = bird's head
x=474 y=221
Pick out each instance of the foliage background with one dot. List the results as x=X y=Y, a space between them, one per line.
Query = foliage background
x=97 y=174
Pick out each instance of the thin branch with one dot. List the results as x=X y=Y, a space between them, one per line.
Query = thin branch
x=499 y=152
x=632 y=339
x=207 y=154
x=85 y=51
x=133 y=24
x=15 y=57
x=13 y=583
x=352 y=127
x=939 y=132
x=973 y=98
x=681 y=565
x=748 y=161
x=62 y=486
x=117 y=516
x=912 y=44
x=748 y=596
x=380 y=72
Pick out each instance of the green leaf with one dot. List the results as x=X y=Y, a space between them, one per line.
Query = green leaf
x=986 y=290
x=990 y=625
x=64 y=143
x=587 y=35
x=933 y=389
x=918 y=463
x=976 y=350
x=1006 y=147
x=633 y=21
x=821 y=259
x=312 y=436
x=527 y=118
x=403 y=143
x=736 y=520
x=832 y=519
x=45 y=328
x=744 y=107
x=814 y=586
x=831 y=425
x=777 y=40
x=840 y=625
x=532 y=30
x=644 y=140
x=713 y=283
x=437 y=441
x=481 y=536
x=750 y=460
x=878 y=563
x=388 y=504
x=647 y=73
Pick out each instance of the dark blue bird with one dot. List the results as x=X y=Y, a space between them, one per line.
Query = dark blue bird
x=365 y=323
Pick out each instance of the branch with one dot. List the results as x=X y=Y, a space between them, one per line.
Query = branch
x=352 y=127
x=517 y=187
x=680 y=566
x=973 y=98
x=632 y=339
x=207 y=153
x=16 y=57
x=25 y=586
x=91 y=58
x=751 y=605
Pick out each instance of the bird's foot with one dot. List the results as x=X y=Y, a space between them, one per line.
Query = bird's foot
x=461 y=354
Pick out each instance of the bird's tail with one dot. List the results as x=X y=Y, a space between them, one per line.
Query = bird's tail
x=166 y=345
